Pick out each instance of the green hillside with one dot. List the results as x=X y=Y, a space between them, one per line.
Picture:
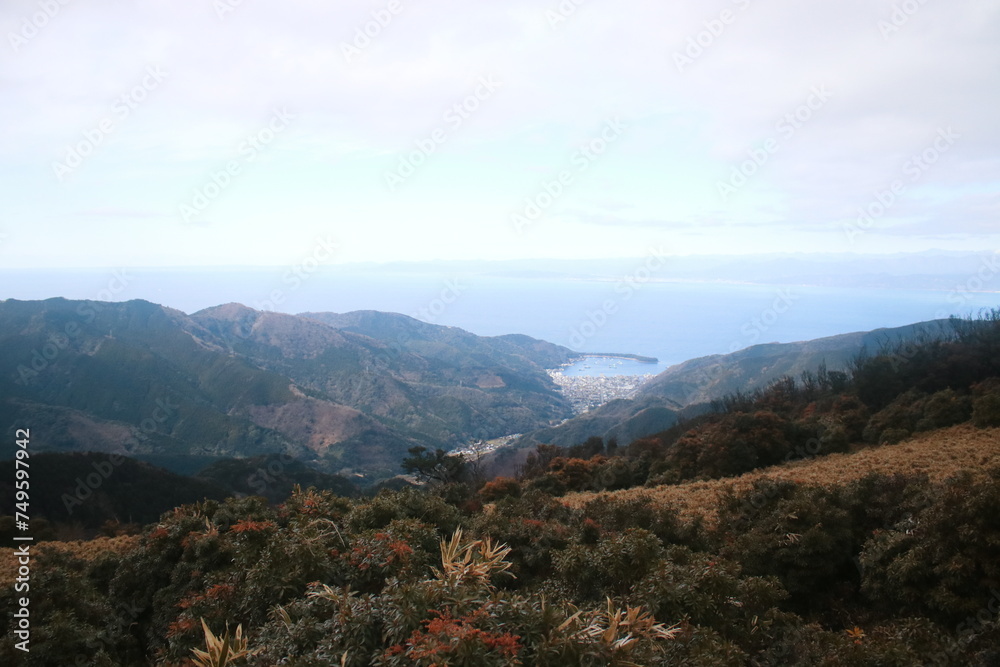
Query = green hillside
x=686 y=390
x=868 y=535
x=143 y=380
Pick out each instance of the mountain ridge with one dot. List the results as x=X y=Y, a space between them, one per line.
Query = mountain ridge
x=234 y=381
x=342 y=391
x=685 y=390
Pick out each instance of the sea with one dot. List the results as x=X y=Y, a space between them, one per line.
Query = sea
x=669 y=321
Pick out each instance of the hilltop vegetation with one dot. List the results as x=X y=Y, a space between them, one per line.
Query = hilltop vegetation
x=886 y=570
x=883 y=398
x=883 y=567
x=711 y=378
x=938 y=455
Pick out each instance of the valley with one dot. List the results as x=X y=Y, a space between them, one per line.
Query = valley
x=839 y=517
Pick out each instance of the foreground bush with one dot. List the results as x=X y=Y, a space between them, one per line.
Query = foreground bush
x=888 y=570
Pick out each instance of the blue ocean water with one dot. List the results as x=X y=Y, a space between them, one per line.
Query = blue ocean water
x=607 y=366
x=671 y=321
x=675 y=322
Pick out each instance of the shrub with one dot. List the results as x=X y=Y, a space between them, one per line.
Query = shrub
x=616 y=513
x=877 y=381
x=389 y=506
x=852 y=414
x=986 y=410
x=404 y=549
x=615 y=473
x=900 y=417
x=945 y=408
x=915 y=411
x=548 y=483
x=942 y=562
x=71 y=623
x=534 y=526
x=501 y=487
x=708 y=591
x=801 y=535
x=609 y=568
x=457 y=616
x=892 y=436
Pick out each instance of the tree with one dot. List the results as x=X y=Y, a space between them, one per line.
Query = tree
x=438 y=466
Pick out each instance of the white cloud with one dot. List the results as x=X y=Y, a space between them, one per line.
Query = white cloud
x=355 y=120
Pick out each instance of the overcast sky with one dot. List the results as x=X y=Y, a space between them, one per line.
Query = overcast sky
x=229 y=132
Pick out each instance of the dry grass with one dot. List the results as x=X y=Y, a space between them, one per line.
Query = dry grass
x=939 y=454
x=86 y=550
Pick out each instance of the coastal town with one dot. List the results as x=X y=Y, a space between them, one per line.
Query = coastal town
x=476 y=450
x=583 y=393
x=587 y=392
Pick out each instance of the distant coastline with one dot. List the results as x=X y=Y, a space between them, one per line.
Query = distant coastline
x=615 y=355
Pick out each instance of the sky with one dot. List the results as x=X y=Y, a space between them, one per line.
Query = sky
x=245 y=132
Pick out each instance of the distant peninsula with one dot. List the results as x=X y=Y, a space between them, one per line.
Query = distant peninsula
x=617 y=355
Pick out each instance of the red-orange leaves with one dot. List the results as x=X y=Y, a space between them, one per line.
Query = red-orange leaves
x=247 y=526
x=445 y=638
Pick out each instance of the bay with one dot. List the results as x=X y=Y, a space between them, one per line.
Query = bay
x=671 y=321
